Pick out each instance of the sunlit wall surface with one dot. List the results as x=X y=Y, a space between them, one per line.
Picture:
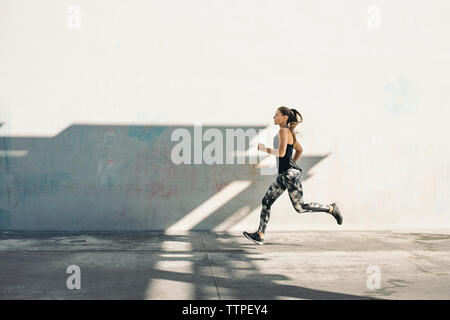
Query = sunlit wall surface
x=91 y=93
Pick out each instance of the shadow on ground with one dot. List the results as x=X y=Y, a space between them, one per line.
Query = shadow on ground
x=149 y=265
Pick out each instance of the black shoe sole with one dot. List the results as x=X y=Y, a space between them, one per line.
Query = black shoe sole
x=258 y=242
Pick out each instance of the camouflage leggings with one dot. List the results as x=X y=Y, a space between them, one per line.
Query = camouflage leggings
x=291 y=179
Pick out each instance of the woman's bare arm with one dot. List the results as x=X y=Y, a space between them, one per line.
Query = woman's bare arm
x=282 y=141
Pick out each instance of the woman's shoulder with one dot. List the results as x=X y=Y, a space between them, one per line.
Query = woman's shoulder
x=284 y=130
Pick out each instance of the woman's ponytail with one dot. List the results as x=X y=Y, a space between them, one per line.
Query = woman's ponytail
x=293 y=120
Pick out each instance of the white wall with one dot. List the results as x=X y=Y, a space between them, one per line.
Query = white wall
x=373 y=90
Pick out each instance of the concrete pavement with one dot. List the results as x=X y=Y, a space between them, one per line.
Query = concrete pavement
x=204 y=265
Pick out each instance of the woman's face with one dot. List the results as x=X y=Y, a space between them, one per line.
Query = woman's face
x=278 y=118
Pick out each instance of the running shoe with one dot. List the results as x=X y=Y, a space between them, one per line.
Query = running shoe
x=254 y=237
x=336 y=213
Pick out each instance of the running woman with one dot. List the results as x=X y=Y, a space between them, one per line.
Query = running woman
x=289 y=174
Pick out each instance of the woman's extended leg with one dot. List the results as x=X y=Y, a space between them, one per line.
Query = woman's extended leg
x=275 y=190
x=293 y=182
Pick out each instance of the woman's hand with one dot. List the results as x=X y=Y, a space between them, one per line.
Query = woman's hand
x=261 y=147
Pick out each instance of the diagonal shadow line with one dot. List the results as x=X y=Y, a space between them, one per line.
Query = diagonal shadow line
x=230 y=191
